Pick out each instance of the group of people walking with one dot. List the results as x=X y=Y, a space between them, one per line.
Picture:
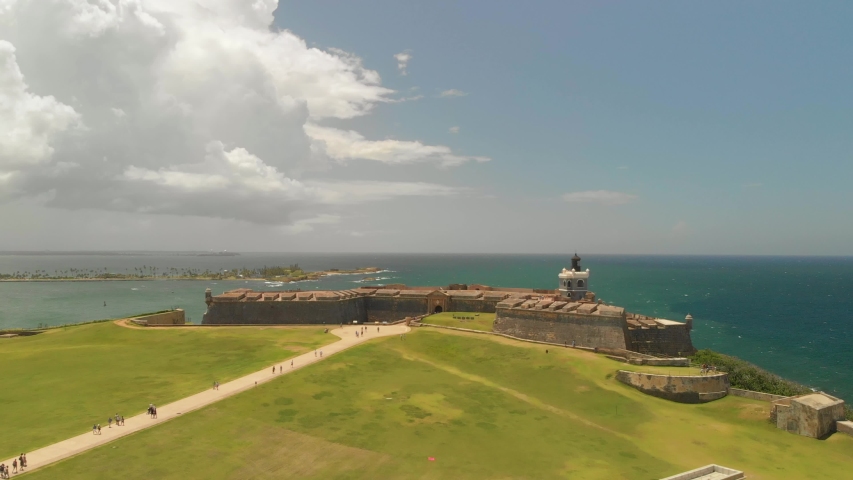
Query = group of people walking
x=118 y=420
x=18 y=462
x=706 y=368
x=363 y=330
x=152 y=411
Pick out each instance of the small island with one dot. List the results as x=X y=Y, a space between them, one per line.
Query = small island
x=291 y=273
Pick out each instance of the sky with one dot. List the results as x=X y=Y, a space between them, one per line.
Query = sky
x=427 y=126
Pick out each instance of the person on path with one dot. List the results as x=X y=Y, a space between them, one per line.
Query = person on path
x=377 y=329
x=155 y=412
x=109 y=422
x=99 y=429
x=315 y=353
x=23 y=461
x=122 y=420
x=3 y=470
x=291 y=364
x=273 y=370
x=280 y=368
x=321 y=354
x=118 y=420
x=15 y=466
x=94 y=429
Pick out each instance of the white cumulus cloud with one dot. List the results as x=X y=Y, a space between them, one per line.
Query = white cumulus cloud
x=193 y=108
x=403 y=59
x=28 y=122
x=601 y=197
x=345 y=145
x=453 y=129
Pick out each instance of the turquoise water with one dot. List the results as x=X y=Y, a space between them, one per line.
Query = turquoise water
x=792 y=316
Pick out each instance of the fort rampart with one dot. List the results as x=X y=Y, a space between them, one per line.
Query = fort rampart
x=172 y=317
x=523 y=313
x=563 y=327
x=682 y=389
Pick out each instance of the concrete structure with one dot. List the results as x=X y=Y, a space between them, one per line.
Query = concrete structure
x=812 y=415
x=709 y=472
x=568 y=315
x=682 y=389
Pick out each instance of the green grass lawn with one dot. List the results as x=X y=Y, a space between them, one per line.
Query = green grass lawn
x=57 y=384
x=482 y=406
x=473 y=321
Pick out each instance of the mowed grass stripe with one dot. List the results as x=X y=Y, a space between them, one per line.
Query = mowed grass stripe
x=57 y=384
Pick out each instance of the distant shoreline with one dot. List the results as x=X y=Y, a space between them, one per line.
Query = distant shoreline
x=283 y=279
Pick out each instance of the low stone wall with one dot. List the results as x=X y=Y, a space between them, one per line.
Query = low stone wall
x=174 y=317
x=844 y=426
x=681 y=389
x=718 y=472
x=661 y=362
x=764 y=397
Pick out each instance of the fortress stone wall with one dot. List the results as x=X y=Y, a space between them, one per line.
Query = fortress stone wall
x=173 y=317
x=542 y=315
x=285 y=309
x=562 y=327
x=672 y=340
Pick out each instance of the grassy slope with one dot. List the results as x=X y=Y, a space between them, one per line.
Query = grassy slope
x=485 y=407
x=57 y=384
x=483 y=321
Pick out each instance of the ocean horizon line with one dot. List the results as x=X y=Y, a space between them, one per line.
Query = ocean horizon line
x=250 y=252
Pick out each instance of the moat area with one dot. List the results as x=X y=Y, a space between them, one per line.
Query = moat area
x=789 y=315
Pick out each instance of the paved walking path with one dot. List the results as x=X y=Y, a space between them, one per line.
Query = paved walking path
x=81 y=443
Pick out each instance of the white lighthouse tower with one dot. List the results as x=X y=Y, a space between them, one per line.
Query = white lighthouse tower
x=574 y=283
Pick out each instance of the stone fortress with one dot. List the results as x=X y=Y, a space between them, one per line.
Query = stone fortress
x=566 y=315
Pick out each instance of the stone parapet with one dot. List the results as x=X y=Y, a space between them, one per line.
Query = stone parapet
x=764 y=397
x=678 y=388
x=844 y=426
x=174 y=317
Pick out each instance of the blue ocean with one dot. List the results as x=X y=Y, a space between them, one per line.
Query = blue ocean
x=790 y=315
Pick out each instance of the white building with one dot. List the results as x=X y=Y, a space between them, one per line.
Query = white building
x=574 y=283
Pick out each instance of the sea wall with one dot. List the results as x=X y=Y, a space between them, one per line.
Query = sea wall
x=671 y=340
x=681 y=389
x=287 y=312
x=562 y=327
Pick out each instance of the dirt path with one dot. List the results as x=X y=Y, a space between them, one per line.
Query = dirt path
x=81 y=443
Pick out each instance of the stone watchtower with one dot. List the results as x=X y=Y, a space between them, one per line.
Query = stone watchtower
x=574 y=283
